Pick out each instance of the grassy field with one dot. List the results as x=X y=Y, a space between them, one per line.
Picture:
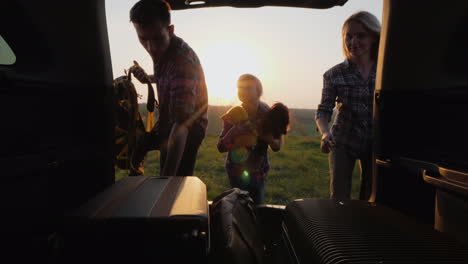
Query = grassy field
x=299 y=170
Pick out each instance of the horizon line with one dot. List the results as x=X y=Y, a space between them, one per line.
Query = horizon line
x=295 y=108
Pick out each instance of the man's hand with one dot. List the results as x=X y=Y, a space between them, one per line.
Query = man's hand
x=139 y=73
x=327 y=142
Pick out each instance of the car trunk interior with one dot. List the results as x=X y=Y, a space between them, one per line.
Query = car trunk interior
x=420 y=106
x=57 y=106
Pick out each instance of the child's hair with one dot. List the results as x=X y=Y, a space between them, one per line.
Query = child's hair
x=276 y=120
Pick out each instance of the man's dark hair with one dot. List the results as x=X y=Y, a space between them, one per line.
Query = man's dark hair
x=277 y=120
x=146 y=12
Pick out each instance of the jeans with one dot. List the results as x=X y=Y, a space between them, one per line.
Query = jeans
x=341 y=170
x=255 y=187
x=189 y=157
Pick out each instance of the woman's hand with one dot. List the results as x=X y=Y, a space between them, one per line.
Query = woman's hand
x=327 y=142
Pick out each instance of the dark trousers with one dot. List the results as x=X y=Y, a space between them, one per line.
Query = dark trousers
x=189 y=157
x=341 y=170
x=154 y=141
x=255 y=187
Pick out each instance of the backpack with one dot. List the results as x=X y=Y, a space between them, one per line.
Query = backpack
x=130 y=132
x=235 y=235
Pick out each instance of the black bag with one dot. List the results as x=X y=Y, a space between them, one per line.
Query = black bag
x=235 y=234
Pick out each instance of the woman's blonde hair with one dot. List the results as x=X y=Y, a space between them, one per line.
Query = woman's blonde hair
x=370 y=23
x=250 y=77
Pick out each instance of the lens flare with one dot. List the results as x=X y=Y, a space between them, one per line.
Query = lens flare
x=245 y=177
x=239 y=155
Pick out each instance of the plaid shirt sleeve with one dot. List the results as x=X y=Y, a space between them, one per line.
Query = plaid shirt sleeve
x=182 y=93
x=327 y=103
x=221 y=147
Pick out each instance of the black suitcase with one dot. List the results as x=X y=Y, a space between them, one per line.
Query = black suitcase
x=333 y=231
x=141 y=220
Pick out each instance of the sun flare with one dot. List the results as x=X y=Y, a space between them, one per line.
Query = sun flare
x=223 y=62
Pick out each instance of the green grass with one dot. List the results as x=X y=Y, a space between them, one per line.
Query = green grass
x=299 y=170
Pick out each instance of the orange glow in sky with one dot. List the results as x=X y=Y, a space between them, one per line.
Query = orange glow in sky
x=288 y=49
x=223 y=68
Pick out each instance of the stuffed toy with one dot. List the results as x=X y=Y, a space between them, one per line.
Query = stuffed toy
x=235 y=116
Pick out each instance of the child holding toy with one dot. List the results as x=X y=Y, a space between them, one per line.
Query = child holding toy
x=247 y=132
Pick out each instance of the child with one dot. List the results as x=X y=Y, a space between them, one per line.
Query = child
x=248 y=130
x=275 y=123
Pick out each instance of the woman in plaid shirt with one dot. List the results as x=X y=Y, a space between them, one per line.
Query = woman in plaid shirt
x=350 y=86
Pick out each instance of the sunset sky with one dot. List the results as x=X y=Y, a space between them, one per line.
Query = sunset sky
x=289 y=49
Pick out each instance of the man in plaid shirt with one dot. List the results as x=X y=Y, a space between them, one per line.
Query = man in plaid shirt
x=182 y=92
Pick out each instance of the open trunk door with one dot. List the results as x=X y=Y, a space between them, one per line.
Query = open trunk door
x=420 y=113
x=56 y=115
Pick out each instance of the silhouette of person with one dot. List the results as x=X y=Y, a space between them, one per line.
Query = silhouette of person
x=181 y=87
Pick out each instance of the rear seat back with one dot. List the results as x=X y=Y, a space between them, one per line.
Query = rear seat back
x=333 y=231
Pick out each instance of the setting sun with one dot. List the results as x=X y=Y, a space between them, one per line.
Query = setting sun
x=223 y=62
x=288 y=49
